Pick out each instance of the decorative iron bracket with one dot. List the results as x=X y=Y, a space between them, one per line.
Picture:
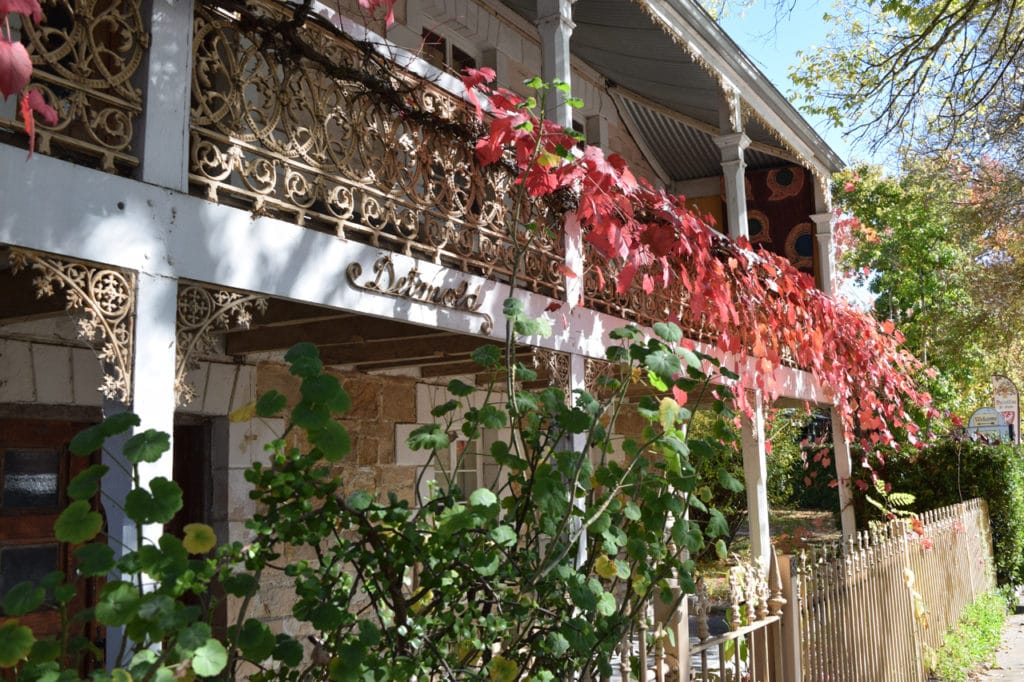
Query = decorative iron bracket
x=200 y=312
x=106 y=301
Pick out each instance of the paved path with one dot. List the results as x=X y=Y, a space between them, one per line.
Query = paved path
x=1010 y=655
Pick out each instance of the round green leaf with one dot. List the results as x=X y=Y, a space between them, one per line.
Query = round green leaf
x=118 y=603
x=270 y=404
x=15 y=643
x=86 y=484
x=483 y=497
x=147 y=446
x=94 y=560
x=360 y=500
x=288 y=650
x=210 y=659
x=240 y=585
x=158 y=506
x=78 y=523
x=23 y=598
x=304 y=359
x=256 y=640
x=332 y=440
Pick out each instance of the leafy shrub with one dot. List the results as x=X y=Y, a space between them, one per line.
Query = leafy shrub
x=950 y=472
x=973 y=642
x=537 y=577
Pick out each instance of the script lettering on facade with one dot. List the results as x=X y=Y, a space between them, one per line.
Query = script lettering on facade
x=412 y=287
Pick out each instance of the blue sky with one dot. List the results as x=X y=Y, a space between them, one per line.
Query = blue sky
x=772 y=41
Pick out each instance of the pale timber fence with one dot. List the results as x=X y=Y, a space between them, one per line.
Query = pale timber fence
x=748 y=646
x=866 y=608
x=861 y=610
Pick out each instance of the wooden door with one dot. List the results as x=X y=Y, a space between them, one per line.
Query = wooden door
x=35 y=467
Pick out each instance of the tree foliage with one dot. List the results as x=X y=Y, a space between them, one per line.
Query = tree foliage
x=938 y=244
x=941 y=71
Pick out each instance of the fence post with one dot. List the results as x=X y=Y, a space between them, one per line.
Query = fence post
x=791 y=654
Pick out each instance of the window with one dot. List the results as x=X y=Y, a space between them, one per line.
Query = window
x=468 y=464
x=440 y=52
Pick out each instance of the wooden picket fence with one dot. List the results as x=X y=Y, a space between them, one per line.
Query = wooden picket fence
x=868 y=606
x=861 y=610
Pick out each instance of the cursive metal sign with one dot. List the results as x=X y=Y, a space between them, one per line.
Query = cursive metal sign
x=412 y=287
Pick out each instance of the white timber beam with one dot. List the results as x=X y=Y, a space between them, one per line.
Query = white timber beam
x=554 y=22
x=153 y=366
x=732 y=143
x=755 y=474
x=841 y=453
x=166 y=94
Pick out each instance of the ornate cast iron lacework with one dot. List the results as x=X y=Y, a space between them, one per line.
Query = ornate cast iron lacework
x=201 y=311
x=85 y=54
x=106 y=299
x=275 y=134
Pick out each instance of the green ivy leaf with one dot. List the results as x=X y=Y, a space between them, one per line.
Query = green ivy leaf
x=729 y=482
x=118 y=603
x=86 y=484
x=91 y=439
x=492 y=417
x=288 y=651
x=78 y=523
x=15 y=643
x=717 y=525
x=325 y=389
x=444 y=408
x=629 y=332
x=486 y=356
x=210 y=659
x=504 y=536
x=23 y=598
x=327 y=617
x=94 y=560
x=310 y=416
x=45 y=650
x=304 y=359
x=513 y=308
x=158 y=506
x=483 y=497
x=270 y=404
x=525 y=326
x=256 y=640
x=668 y=331
x=147 y=446
x=663 y=363
x=606 y=604
x=360 y=500
x=428 y=437
x=332 y=439
x=460 y=388
x=241 y=585
x=486 y=563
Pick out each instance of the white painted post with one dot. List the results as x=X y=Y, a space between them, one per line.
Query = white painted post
x=841 y=452
x=167 y=94
x=755 y=475
x=554 y=21
x=153 y=401
x=733 y=170
x=826 y=251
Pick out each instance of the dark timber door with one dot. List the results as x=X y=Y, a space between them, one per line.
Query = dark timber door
x=35 y=467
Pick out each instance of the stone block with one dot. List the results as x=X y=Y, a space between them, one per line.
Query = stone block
x=52 y=368
x=400 y=480
x=358 y=478
x=398 y=401
x=87 y=376
x=272 y=376
x=364 y=392
x=367 y=451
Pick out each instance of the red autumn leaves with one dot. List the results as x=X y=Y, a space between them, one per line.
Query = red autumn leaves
x=760 y=307
x=16 y=67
